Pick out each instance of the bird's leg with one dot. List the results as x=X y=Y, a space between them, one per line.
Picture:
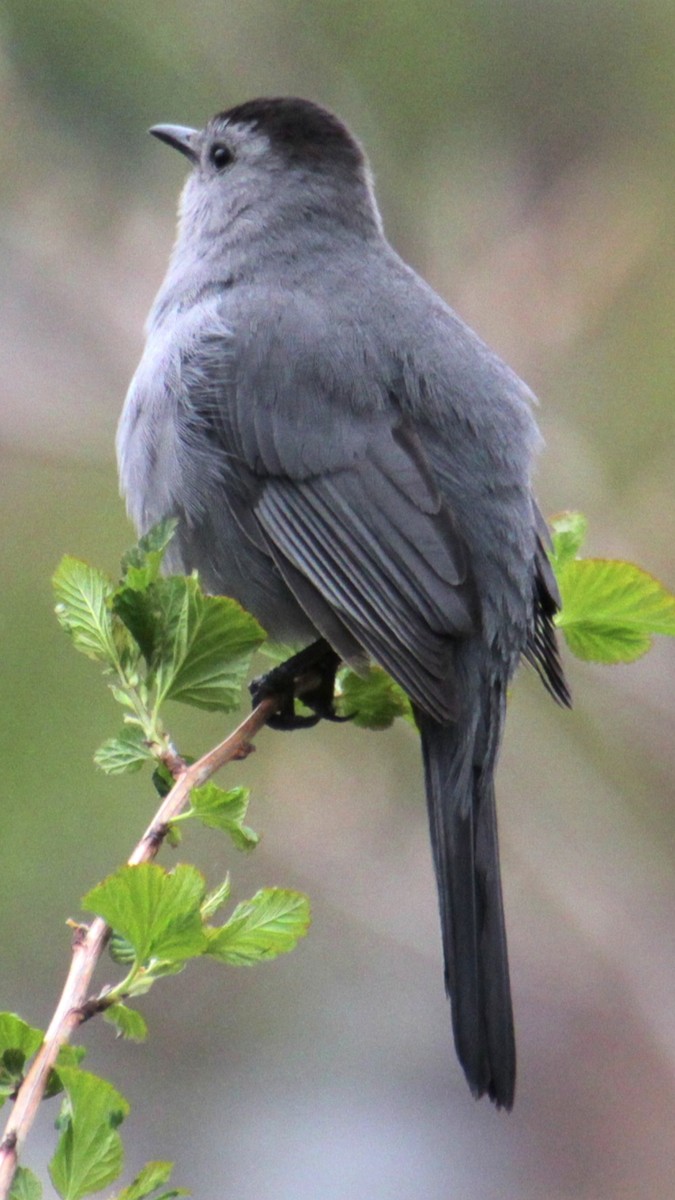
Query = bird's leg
x=308 y=676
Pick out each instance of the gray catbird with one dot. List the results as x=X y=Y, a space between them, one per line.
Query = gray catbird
x=350 y=462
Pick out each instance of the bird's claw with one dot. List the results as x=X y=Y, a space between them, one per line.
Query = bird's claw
x=308 y=676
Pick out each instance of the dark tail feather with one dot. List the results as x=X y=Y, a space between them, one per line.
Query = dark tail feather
x=463 y=827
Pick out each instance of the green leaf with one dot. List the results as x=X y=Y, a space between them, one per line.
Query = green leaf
x=269 y=924
x=83 y=597
x=163 y=780
x=16 y=1034
x=373 y=700
x=204 y=652
x=611 y=609
x=568 y=531
x=215 y=899
x=141 y=564
x=152 y=1176
x=122 y=697
x=158 y=912
x=126 y=752
x=226 y=811
x=25 y=1185
x=139 y=613
x=198 y=647
x=89 y=1153
x=174 y=835
x=18 y=1042
x=68 y=1056
x=128 y=1022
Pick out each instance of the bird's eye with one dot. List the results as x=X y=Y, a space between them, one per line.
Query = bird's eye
x=220 y=156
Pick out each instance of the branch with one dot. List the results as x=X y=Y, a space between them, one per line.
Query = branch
x=90 y=942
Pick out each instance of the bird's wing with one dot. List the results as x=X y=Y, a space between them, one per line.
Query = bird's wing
x=383 y=554
x=341 y=491
x=542 y=649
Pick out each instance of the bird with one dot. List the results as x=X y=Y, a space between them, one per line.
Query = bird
x=346 y=458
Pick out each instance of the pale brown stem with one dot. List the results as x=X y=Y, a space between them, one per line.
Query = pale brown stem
x=89 y=943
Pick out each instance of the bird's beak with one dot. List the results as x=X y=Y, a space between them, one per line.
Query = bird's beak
x=180 y=137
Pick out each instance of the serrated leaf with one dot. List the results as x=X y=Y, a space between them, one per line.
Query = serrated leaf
x=25 y=1185
x=89 y=1153
x=82 y=607
x=611 y=609
x=128 y=1021
x=269 y=924
x=154 y=541
x=219 y=809
x=198 y=647
x=215 y=899
x=568 y=533
x=141 y=564
x=373 y=701
x=158 y=912
x=126 y=752
x=152 y=1176
x=203 y=651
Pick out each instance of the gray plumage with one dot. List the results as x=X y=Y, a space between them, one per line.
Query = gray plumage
x=347 y=459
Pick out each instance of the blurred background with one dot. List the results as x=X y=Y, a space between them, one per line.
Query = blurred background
x=523 y=153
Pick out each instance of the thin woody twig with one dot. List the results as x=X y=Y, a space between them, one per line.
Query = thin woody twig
x=89 y=943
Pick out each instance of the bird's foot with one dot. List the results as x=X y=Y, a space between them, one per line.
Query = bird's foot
x=308 y=676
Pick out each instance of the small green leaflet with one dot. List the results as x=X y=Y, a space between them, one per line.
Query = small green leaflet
x=610 y=608
x=126 y=752
x=269 y=924
x=25 y=1185
x=156 y=911
x=224 y=810
x=89 y=1153
x=373 y=700
x=128 y=1022
x=215 y=899
x=142 y=563
x=83 y=597
x=569 y=534
x=153 y=1175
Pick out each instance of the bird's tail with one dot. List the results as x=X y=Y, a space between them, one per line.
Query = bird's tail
x=459 y=762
